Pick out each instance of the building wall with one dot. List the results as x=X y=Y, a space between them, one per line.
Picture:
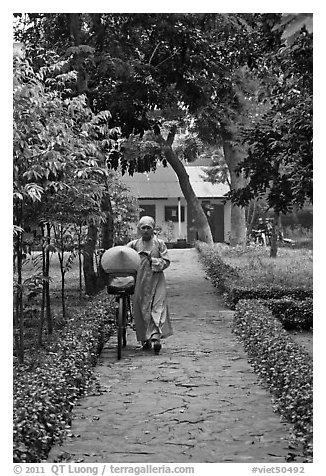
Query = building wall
x=168 y=234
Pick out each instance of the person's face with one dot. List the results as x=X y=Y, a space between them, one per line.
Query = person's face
x=146 y=232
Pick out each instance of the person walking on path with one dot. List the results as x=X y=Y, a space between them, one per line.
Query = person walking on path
x=150 y=308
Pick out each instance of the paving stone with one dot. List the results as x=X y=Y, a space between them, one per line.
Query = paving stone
x=198 y=401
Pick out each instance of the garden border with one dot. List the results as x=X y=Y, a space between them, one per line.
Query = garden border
x=46 y=390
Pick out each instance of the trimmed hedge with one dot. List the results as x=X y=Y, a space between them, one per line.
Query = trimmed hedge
x=282 y=364
x=46 y=388
x=293 y=306
x=219 y=272
x=291 y=313
x=234 y=293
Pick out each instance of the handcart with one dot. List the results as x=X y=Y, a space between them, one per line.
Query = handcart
x=120 y=265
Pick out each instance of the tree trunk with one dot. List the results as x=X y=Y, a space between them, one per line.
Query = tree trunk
x=80 y=266
x=40 y=330
x=59 y=236
x=88 y=261
x=63 y=297
x=18 y=315
x=47 y=282
x=200 y=219
x=251 y=219
x=273 y=250
x=238 y=214
x=107 y=226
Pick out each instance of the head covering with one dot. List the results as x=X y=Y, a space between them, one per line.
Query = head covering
x=147 y=221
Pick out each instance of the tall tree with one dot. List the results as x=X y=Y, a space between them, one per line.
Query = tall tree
x=56 y=146
x=133 y=64
x=142 y=62
x=279 y=160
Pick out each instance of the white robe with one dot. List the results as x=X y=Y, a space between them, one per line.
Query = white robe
x=150 y=309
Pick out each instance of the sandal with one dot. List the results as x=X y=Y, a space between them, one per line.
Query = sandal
x=147 y=345
x=157 y=346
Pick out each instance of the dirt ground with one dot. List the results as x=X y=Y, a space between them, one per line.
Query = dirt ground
x=198 y=401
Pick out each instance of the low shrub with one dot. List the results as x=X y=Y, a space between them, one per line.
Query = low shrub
x=249 y=276
x=254 y=266
x=218 y=271
x=234 y=293
x=47 y=386
x=293 y=314
x=282 y=364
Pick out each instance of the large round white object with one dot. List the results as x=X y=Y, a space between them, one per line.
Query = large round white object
x=120 y=259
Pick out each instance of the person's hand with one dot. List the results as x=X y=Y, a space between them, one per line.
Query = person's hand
x=147 y=255
x=156 y=265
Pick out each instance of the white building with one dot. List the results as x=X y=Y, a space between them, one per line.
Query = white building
x=160 y=196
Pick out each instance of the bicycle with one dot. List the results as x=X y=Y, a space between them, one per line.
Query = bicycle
x=124 y=318
x=120 y=265
x=122 y=285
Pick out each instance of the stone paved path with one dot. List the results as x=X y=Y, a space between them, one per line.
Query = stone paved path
x=197 y=401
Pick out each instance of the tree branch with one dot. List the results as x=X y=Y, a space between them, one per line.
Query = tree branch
x=150 y=59
x=171 y=135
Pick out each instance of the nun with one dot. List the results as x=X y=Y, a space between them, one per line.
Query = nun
x=150 y=307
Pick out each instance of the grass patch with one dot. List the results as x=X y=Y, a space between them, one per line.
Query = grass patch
x=254 y=266
x=249 y=273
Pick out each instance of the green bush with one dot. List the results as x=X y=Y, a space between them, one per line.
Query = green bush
x=250 y=276
x=293 y=314
x=253 y=266
x=234 y=293
x=218 y=271
x=282 y=364
x=47 y=386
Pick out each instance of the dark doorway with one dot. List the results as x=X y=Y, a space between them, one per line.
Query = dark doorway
x=217 y=224
x=215 y=216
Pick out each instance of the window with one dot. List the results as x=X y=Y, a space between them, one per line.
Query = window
x=147 y=210
x=171 y=214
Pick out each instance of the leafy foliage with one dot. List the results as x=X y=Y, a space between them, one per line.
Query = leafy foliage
x=218 y=271
x=46 y=388
x=149 y=68
x=292 y=313
x=61 y=148
x=139 y=64
x=125 y=213
x=244 y=273
x=279 y=159
x=60 y=172
x=282 y=364
x=149 y=71
x=234 y=293
x=293 y=23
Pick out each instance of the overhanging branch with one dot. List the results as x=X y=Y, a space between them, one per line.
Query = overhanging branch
x=171 y=135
